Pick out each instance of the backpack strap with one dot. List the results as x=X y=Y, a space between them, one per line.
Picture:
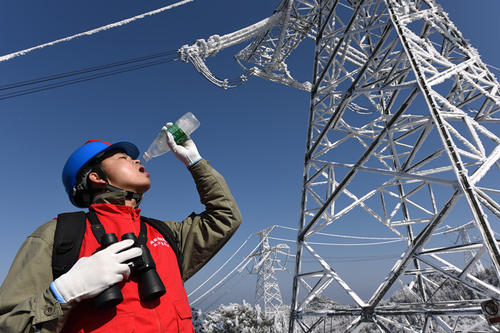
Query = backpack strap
x=96 y=226
x=169 y=236
x=70 y=229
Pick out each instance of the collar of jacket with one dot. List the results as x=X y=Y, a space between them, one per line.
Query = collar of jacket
x=113 y=198
x=117 y=213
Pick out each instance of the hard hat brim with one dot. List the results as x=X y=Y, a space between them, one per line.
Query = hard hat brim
x=129 y=148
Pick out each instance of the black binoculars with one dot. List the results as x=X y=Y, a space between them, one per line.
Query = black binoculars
x=150 y=285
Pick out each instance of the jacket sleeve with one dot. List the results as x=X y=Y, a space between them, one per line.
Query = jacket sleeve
x=26 y=302
x=201 y=236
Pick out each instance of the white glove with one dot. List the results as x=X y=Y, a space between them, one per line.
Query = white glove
x=89 y=276
x=186 y=152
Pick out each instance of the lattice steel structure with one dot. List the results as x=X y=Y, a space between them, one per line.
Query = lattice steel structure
x=402 y=140
x=403 y=126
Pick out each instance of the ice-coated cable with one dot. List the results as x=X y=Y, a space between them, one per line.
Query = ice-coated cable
x=346 y=236
x=221 y=267
x=340 y=244
x=93 y=31
x=242 y=264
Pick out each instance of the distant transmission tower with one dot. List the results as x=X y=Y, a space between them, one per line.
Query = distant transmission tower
x=465 y=240
x=267 y=290
x=402 y=138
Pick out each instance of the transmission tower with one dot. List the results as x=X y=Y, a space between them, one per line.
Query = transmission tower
x=402 y=125
x=465 y=239
x=402 y=138
x=267 y=290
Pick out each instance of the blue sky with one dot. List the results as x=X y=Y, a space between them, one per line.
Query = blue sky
x=254 y=135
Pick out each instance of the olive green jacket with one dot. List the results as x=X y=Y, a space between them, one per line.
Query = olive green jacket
x=28 y=305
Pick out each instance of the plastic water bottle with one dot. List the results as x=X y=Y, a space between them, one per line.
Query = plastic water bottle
x=180 y=130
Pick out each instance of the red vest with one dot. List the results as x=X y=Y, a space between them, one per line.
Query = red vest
x=169 y=313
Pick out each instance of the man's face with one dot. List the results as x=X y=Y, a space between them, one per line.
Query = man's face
x=125 y=173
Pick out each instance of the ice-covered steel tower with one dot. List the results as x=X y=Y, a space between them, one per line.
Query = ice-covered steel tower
x=403 y=133
x=402 y=141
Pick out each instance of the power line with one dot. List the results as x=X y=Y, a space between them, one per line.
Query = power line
x=354 y=258
x=240 y=266
x=219 y=269
x=236 y=271
x=121 y=67
x=86 y=70
x=229 y=289
x=339 y=244
x=100 y=74
x=345 y=236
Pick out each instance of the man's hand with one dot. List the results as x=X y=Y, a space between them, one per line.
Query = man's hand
x=186 y=152
x=89 y=276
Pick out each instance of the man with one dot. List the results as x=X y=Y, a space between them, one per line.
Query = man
x=109 y=180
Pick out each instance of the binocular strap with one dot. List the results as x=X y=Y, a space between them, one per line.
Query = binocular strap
x=99 y=231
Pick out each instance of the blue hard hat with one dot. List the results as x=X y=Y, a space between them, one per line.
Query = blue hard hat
x=86 y=153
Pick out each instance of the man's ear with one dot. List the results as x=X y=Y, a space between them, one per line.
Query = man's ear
x=96 y=179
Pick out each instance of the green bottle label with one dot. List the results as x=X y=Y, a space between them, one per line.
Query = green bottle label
x=177 y=133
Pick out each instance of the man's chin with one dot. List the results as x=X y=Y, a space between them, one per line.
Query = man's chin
x=143 y=189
